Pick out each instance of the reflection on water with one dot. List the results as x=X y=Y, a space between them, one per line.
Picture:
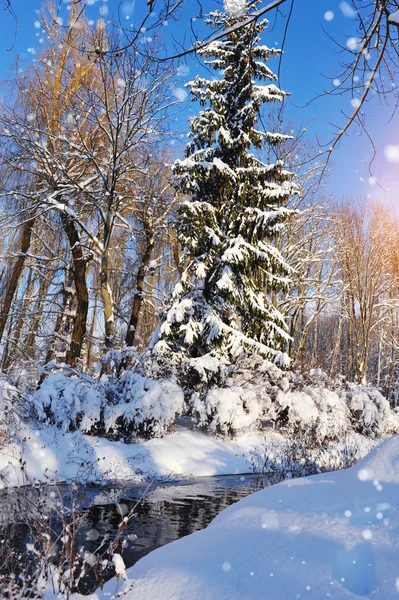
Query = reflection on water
x=162 y=513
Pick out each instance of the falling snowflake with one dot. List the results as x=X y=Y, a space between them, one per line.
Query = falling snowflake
x=235 y=8
x=127 y=8
x=364 y=475
x=329 y=15
x=355 y=102
x=180 y=94
x=183 y=70
x=92 y=535
x=90 y=559
x=367 y=534
x=353 y=44
x=392 y=153
x=347 y=10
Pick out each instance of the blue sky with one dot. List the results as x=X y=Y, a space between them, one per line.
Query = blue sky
x=309 y=65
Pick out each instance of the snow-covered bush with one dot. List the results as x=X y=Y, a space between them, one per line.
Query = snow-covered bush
x=314 y=408
x=132 y=405
x=370 y=412
x=69 y=401
x=13 y=408
x=227 y=410
x=252 y=394
x=144 y=406
x=256 y=393
x=240 y=400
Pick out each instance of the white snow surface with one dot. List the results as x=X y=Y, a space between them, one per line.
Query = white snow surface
x=53 y=455
x=56 y=455
x=350 y=418
x=333 y=536
x=235 y=8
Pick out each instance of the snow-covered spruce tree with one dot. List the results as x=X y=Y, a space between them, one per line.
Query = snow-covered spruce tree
x=222 y=309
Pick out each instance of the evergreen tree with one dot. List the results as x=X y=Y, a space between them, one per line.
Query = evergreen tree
x=223 y=306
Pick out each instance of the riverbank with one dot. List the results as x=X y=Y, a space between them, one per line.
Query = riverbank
x=75 y=428
x=49 y=454
x=327 y=536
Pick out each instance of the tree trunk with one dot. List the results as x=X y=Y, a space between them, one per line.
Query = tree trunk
x=17 y=322
x=106 y=294
x=175 y=250
x=58 y=326
x=138 y=297
x=337 y=347
x=29 y=342
x=6 y=364
x=349 y=351
x=91 y=334
x=82 y=294
x=15 y=274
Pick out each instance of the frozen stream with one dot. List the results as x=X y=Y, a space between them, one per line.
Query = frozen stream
x=162 y=513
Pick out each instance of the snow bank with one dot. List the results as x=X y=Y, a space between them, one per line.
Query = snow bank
x=52 y=454
x=328 y=536
x=74 y=426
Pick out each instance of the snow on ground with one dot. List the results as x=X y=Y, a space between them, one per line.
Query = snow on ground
x=333 y=535
x=51 y=454
x=44 y=436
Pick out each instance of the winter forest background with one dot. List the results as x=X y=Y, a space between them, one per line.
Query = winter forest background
x=89 y=247
x=126 y=255
x=199 y=276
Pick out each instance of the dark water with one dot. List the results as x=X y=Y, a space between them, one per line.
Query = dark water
x=155 y=515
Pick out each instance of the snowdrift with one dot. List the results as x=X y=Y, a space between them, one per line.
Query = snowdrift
x=327 y=536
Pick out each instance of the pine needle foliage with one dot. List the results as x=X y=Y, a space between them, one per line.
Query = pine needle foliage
x=235 y=209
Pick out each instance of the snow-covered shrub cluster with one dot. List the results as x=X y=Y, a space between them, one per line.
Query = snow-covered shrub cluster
x=144 y=405
x=257 y=394
x=13 y=408
x=254 y=394
x=370 y=412
x=134 y=404
x=69 y=401
x=298 y=457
